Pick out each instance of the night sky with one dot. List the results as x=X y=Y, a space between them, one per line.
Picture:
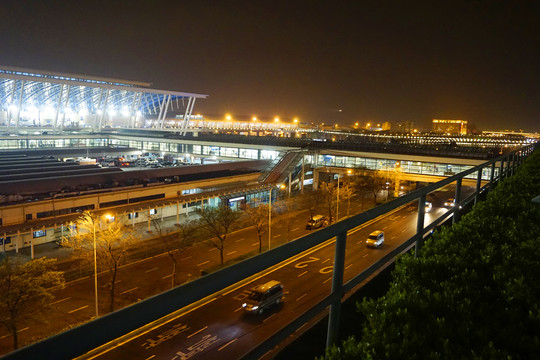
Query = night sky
x=373 y=60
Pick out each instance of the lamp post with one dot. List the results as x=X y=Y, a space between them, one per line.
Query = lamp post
x=337 y=203
x=95 y=267
x=270 y=214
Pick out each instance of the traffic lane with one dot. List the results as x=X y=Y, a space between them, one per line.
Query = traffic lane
x=305 y=290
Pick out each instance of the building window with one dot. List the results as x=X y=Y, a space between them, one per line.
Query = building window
x=133 y=215
x=5 y=241
x=28 y=216
x=40 y=233
x=153 y=211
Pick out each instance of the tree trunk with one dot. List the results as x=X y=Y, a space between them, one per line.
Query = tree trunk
x=111 y=305
x=173 y=274
x=260 y=243
x=15 y=335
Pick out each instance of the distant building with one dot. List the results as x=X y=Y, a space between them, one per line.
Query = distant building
x=405 y=127
x=386 y=126
x=450 y=126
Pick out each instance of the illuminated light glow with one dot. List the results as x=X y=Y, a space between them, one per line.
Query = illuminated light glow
x=276 y=119
x=125 y=111
x=111 y=112
x=83 y=112
x=228 y=117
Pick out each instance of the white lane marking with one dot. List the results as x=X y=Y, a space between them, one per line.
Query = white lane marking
x=304 y=273
x=325 y=261
x=167 y=276
x=276 y=236
x=198 y=331
x=150 y=270
x=227 y=344
x=365 y=255
x=348 y=266
x=130 y=290
x=295 y=229
x=150 y=357
x=82 y=307
x=392 y=238
x=255 y=244
x=203 y=263
x=242 y=239
x=59 y=301
x=232 y=252
x=189 y=257
x=213 y=249
x=327 y=280
x=297 y=299
x=23 y=329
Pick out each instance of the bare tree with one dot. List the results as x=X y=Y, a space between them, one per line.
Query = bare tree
x=174 y=240
x=375 y=182
x=311 y=201
x=25 y=285
x=257 y=216
x=346 y=191
x=288 y=208
x=328 y=192
x=112 y=244
x=218 y=222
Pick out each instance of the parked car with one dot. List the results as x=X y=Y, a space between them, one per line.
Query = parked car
x=375 y=239
x=263 y=297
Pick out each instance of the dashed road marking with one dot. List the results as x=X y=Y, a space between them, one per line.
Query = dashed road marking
x=227 y=344
x=150 y=270
x=232 y=252
x=304 y=273
x=295 y=229
x=23 y=329
x=189 y=257
x=59 y=301
x=203 y=263
x=130 y=290
x=198 y=331
x=242 y=239
x=82 y=307
x=297 y=299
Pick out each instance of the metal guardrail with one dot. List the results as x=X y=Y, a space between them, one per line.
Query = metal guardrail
x=91 y=335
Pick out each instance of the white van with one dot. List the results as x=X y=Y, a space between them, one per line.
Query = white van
x=375 y=239
x=263 y=296
x=316 y=222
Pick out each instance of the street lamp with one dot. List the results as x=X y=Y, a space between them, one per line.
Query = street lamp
x=270 y=214
x=108 y=217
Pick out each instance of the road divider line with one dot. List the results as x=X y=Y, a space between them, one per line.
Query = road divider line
x=150 y=270
x=327 y=280
x=189 y=257
x=227 y=344
x=348 y=266
x=167 y=276
x=59 y=301
x=242 y=239
x=150 y=357
x=255 y=244
x=297 y=299
x=23 y=329
x=269 y=317
x=130 y=290
x=304 y=273
x=82 y=307
x=295 y=229
x=203 y=263
x=198 y=331
x=365 y=255
x=325 y=261
x=276 y=236
x=232 y=252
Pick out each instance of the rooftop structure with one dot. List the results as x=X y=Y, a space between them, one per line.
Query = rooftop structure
x=32 y=98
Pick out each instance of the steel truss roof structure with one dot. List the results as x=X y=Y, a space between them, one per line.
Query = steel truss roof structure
x=46 y=99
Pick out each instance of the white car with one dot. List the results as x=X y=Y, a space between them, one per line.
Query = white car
x=428 y=206
x=375 y=239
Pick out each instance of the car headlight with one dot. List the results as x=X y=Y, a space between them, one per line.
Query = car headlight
x=254 y=308
x=244 y=305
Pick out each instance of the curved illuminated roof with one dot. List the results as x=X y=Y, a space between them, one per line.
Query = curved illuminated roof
x=40 y=98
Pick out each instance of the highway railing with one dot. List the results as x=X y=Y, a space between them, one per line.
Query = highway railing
x=84 y=338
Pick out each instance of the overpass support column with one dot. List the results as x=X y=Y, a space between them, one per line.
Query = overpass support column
x=492 y=177
x=420 y=224
x=303 y=172
x=337 y=289
x=457 y=198
x=315 y=179
x=501 y=170
x=478 y=183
